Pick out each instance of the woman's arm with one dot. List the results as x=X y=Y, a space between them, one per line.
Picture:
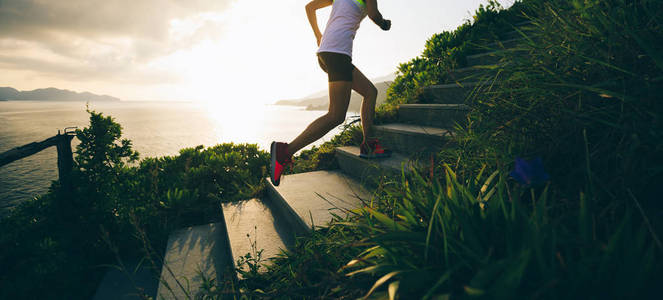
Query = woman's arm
x=311 y=7
x=376 y=16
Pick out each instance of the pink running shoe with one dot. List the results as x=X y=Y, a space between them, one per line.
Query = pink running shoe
x=372 y=149
x=280 y=160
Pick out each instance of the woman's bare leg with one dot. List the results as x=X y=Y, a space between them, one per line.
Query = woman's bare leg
x=339 y=98
x=365 y=87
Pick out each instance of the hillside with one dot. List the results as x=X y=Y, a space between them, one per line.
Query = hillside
x=51 y=94
x=526 y=162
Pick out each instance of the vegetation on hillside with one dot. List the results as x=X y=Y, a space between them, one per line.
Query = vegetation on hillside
x=62 y=243
x=579 y=92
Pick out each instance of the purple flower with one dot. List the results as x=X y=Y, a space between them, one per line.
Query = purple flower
x=529 y=172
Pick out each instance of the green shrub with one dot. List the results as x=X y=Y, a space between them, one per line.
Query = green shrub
x=587 y=93
x=488 y=238
x=447 y=51
x=57 y=243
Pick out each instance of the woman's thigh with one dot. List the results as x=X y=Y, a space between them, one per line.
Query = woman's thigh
x=339 y=97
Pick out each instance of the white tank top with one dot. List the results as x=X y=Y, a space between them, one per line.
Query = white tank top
x=342 y=26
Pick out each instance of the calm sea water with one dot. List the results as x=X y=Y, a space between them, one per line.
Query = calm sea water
x=156 y=129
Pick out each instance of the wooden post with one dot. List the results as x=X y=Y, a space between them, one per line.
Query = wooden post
x=65 y=161
x=65 y=155
x=65 y=164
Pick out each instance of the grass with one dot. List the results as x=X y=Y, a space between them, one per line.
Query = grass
x=580 y=90
x=483 y=237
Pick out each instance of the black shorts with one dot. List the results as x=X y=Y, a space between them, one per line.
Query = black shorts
x=338 y=66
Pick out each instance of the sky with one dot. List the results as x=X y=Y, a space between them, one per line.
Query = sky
x=215 y=51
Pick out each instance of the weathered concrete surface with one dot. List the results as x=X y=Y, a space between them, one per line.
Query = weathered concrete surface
x=467 y=74
x=411 y=138
x=309 y=199
x=452 y=93
x=435 y=115
x=252 y=227
x=119 y=285
x=414 y=129
x=370 y=171
x=193 y=253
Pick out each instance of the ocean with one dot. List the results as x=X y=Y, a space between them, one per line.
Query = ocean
x=155 y=128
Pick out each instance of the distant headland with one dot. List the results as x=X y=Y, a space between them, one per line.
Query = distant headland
x=51 y=94
x=320 y=100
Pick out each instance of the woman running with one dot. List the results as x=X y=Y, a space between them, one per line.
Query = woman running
x=335 y=58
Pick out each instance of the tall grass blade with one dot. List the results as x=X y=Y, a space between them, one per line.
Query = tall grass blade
x=430 y=225
x=380 y=282
x=439 y=283
x=385 y=220
x=393 y=289
x=653 y=53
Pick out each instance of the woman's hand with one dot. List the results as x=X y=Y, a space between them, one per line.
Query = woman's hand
x=375 y=15
x=386 y=25
x=319 y=38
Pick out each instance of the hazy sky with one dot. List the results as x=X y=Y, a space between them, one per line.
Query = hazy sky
x=222 y=51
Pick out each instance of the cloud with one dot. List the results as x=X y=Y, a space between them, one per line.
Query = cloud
x=81 y=72
x=148 y=19
x=103 y=39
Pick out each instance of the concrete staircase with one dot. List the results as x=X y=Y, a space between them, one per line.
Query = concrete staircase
x=303 y=202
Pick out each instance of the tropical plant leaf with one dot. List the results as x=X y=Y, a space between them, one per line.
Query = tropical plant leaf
x=381 y=281
x=385 y=220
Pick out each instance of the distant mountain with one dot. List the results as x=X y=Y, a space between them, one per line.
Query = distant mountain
x=51 y=94
x=320 y=100
x=8 y=93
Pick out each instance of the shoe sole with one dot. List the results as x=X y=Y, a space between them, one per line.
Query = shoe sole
x=273 y=164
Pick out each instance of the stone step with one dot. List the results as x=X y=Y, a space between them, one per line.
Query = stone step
x=409 y=138
x=255 y=227
x=371 y=171
x=128 y=283
x=481 y=65
x=435 y=115
x=451 y=93
x=474 y=73
x=192 y=255
x=309 y=199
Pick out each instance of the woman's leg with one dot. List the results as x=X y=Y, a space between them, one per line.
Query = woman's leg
x=339 y=98
x=365 y=87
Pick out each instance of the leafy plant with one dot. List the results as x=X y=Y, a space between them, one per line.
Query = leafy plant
x=249 y=264
x=490 y=239
x=59 y=241
x=578 y=91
